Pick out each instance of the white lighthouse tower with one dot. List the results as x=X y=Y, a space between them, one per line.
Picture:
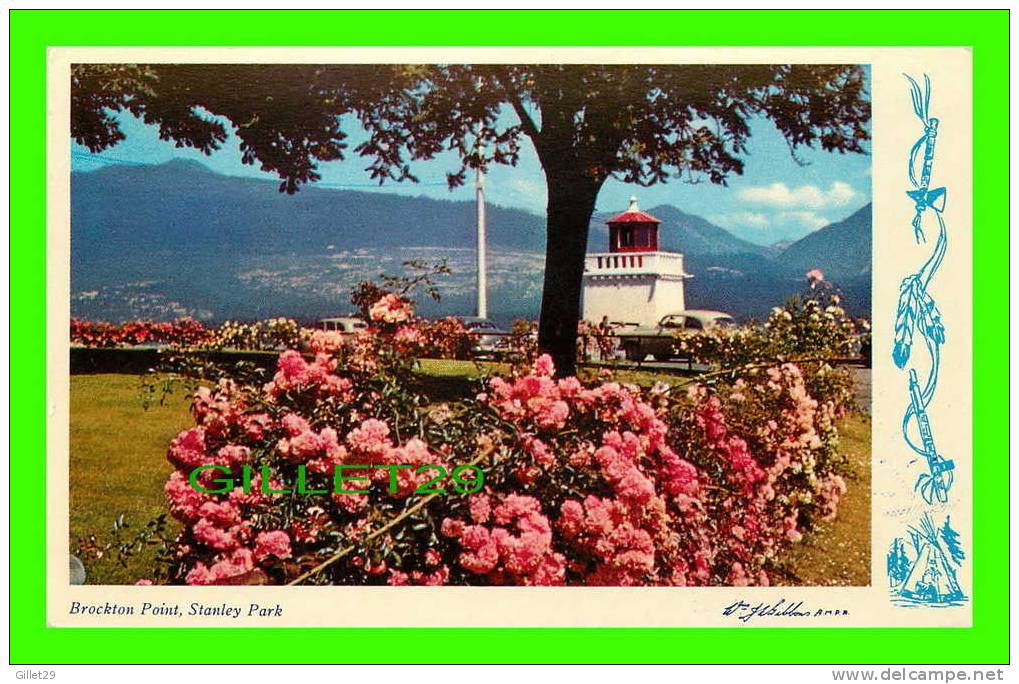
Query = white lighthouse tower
x=634 y=282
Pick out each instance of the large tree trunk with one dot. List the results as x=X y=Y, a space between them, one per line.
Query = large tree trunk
x=571 y=201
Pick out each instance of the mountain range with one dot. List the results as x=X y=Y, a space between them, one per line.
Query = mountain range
x=176 y=239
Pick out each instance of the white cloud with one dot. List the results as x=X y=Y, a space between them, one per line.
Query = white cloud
x=518 y=192
x=527 y=187
x=805 y=196
x=741 y=219
x=807 y=219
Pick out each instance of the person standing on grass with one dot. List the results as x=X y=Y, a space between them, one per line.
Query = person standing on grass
x=606 y=343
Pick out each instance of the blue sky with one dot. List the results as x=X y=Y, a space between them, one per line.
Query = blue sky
x=775 y=199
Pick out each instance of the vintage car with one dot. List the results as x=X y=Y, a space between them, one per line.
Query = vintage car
x=343 y=324
x=487 y=339
x=659 y=341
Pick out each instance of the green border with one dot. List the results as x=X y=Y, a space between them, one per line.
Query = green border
x=32 y=31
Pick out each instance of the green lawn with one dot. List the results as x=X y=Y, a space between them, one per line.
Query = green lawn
x=443 y=368
x=448 y=370
x=119 y=466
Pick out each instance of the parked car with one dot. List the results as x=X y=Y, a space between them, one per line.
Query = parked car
x=487 y=339
x=863 y=348
x=659 y=340
x=343 y=324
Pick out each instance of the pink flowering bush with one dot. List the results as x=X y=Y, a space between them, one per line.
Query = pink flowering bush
x=772 y=451
x=811 y=328
x=807 y=331
x=583 y=484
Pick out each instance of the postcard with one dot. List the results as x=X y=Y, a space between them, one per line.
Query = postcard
x=509 y=337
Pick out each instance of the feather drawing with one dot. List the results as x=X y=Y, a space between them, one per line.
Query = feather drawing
x=905 y=321
x=930 y=316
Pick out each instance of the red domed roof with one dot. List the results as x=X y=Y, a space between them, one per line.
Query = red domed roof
x=633 y=215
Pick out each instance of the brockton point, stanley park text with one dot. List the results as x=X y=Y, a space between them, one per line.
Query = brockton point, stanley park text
x=167 y=609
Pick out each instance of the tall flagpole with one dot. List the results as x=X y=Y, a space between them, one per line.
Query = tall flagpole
x=481 y=251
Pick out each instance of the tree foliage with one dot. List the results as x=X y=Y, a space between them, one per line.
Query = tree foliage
x=951 y=539
x=286 y=117
x=898 y=564
x=641 y=124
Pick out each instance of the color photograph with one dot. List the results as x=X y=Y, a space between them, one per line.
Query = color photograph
x=476 y=339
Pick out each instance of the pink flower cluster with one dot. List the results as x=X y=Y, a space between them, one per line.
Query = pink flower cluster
x=831 y=489
x=408 y=339
x=320 y=450
x=327 y=341
x=535 y=397
x=371 y=443
x=391 y=309
x=242 y=565
x=510 y=543
x=620 y=539
x=296 y=374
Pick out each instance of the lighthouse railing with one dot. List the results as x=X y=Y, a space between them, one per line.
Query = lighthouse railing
x=629 y=263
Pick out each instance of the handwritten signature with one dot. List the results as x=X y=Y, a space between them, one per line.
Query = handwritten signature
x=744 y=612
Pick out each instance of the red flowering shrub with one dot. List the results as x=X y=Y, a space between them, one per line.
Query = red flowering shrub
x=183 y=332
x=583 y=485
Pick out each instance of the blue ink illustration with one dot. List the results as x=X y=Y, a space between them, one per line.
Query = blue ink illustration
x=923 y=573
x=917 y=313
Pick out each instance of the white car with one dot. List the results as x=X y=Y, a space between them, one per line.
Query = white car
x=343 y=324
x=487 y=339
